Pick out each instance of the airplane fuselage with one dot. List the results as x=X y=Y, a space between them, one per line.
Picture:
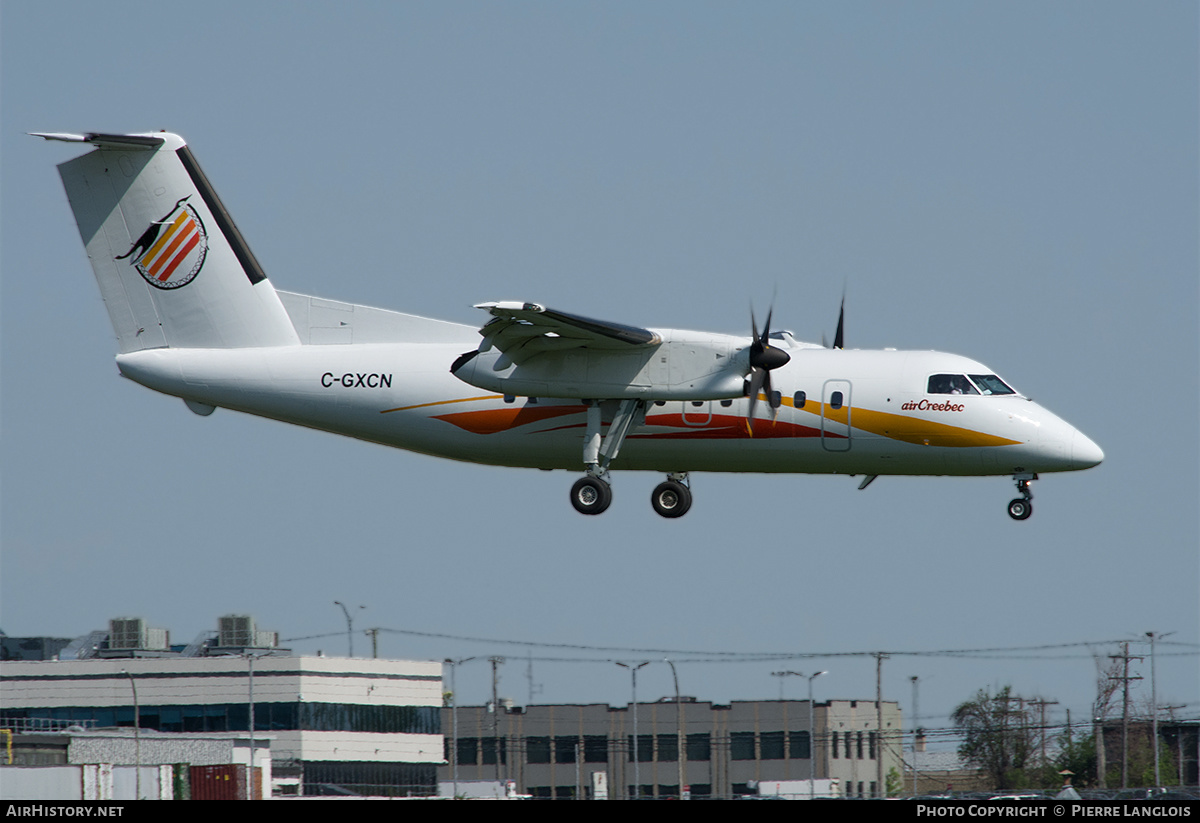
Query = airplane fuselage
x=861 y=412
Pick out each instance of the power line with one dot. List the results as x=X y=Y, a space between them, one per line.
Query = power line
x=995 y=652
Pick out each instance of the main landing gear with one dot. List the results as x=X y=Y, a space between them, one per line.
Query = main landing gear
x=671 y=498
x=592 y=494
x=1021 y=507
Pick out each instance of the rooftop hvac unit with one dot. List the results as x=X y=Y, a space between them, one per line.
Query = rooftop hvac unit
x=236 y=630
x=126 y=633
x=133 y=633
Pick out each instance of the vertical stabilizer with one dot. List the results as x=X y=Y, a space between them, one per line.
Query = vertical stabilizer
x=173 y=269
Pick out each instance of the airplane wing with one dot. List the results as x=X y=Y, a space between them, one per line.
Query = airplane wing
x=523 y=330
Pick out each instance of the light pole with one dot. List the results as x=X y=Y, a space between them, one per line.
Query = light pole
x=812 y=739
x=349 y=624
x=137 y=738
x=679 y=741
x=250 y=725
x=637 y=764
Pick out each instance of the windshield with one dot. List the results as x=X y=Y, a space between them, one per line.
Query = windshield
x=991 y=384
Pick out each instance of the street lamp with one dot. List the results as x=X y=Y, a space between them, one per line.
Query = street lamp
x=679 y=741
x=137 y=738
x=637 y=764
x=349 y=624
x=812 y=739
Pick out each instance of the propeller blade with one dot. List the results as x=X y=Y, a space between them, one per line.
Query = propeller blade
x=770 y=392
x=839 y=337
x=756 y=382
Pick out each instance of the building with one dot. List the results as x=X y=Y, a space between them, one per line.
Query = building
x=339 y=725
x=585 y=751
x=62 y=760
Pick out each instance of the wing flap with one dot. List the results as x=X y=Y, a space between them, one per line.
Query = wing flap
x=524 y=330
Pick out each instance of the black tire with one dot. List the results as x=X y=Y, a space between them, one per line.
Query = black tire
x=1020 y=509
x=591 y=495
x=671 y=499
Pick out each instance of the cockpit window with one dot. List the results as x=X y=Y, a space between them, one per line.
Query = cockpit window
x=991 y=384
x=950 y=384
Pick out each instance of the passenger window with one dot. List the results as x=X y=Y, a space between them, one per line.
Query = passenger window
x=799 y=399
x=835 y=400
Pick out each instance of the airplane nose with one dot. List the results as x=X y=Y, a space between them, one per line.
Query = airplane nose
x=1084 y=452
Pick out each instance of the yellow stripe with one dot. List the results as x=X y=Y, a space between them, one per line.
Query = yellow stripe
x=443 y=402
x=906 y=428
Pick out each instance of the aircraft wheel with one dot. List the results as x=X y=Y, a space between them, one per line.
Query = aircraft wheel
x=591 y=495
x=1020 y=509
x=671 y=499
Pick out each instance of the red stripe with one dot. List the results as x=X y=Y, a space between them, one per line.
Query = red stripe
x=191 y=244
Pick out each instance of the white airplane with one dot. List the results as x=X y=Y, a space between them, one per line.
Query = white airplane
x=196 y=318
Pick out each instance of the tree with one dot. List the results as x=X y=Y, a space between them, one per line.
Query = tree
x=1078 y=757
x=998 y=736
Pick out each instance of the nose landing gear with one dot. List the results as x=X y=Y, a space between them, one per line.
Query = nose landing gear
x=1021 y=507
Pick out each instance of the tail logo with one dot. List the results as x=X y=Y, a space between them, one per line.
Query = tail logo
x=171 y=251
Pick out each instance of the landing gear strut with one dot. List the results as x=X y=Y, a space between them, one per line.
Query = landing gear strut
x=1021 y=507
x=672 y=497
x=592 y=494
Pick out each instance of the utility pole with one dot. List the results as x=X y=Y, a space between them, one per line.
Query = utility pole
x=879 y=786
x=916 y=732
x=1178 y=739
x=1125 y=678
x=496 y=661
x=533 y=688
x=374 y=635
x=1154 y=703
x=1042 y=704
x=454 y=664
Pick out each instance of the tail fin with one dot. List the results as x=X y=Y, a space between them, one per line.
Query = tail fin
x=173 y=269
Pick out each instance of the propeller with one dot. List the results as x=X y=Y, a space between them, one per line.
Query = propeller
x=763 y=359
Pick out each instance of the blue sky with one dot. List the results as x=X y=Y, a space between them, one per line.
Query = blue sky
x=1013 y=182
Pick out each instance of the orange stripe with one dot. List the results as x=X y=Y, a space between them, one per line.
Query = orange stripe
x=442 y=403
x=166 y=235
